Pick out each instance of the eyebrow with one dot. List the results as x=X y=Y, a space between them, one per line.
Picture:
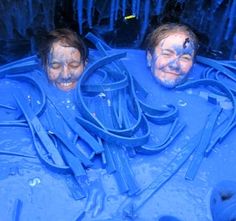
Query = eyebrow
x=173 y=51
x=168 y=50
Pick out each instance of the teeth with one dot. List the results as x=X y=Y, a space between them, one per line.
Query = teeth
x=66 y=84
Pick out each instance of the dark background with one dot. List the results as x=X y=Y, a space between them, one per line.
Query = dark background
x=23 y=22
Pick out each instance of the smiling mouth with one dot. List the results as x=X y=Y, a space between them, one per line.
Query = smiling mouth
x=66 y=85
x=171 y=72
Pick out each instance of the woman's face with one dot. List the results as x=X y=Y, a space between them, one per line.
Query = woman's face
x=172 y=59
x=64 y=66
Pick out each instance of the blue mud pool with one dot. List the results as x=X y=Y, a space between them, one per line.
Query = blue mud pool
x=119 y=146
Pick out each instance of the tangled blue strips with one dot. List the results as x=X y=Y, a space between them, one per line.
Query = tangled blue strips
x=85 y=111
x=119 y=140
x=38 y=129
x=31 y=80
x=78 y=129
x=167 y=114
x=156 y=148
x=71 y=147
x=19 y=66
x=120 y=126
x=217 y=66
x=93 y=38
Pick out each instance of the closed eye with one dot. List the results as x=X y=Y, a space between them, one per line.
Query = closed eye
x=55 y=65
x=74 y=64
x=167 y=52
x=186 y=58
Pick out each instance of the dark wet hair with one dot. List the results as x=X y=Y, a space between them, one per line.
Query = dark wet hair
x=163 y=31
x=67 y=37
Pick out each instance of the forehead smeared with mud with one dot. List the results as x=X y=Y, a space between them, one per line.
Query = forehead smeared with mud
x=165 y=30
x=186 y=42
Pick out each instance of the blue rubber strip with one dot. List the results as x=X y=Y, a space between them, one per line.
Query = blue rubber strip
x=227 y=92
x=11 y=153
x=81 y=105
x=78 y=129
x=17 y=210
x=204 y=142
x=215 y=64
x=117 y=139
x=172 y=134
x=168 y=114
x=31 y=80
x=20 y=66
x=131 y=206
x=94 y=38
x=71 y=147
x=38 y=128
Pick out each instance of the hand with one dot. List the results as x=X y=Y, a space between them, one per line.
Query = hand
x=223 y=201
x=95 y=197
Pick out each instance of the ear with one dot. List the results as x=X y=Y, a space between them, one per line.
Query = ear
x=149 y=59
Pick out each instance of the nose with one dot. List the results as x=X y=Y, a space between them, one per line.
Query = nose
x=65 y=72
x=174 y=64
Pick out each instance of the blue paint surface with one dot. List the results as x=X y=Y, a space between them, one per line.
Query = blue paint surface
x=31 y=191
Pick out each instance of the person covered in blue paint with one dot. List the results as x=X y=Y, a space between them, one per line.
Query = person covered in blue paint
x=171 y=49
x=64 y=55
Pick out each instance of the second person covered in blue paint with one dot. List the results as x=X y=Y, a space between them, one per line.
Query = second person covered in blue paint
x=171 y=49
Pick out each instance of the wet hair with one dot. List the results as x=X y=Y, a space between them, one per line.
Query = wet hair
x=163 y=31
x=67 y=37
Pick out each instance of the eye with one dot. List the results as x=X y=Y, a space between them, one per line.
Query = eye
x=74 y=64
x=167 y=53
x=55 y=65
x=186 y=58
